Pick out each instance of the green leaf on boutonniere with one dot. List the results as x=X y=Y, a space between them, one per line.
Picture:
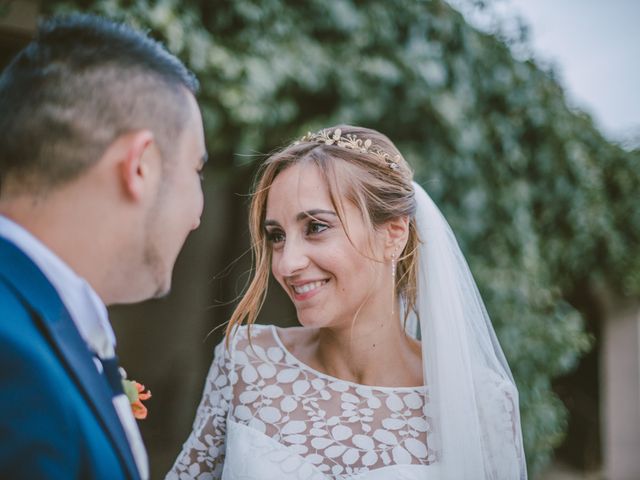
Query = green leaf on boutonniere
x=130 y=390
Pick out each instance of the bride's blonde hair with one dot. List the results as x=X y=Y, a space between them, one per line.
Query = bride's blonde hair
x=359 y=165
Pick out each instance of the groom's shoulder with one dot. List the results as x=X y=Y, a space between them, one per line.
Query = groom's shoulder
x=22 y=340
x=12 y=308
x=24 y=348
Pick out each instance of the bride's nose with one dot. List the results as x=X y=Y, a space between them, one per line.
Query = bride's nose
x=293 y=258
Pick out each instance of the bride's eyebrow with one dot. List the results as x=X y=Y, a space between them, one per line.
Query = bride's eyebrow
x=301 y=216
x=313 y=213
x=270 y=223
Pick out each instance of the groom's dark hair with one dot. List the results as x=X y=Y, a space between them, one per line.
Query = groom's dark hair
x=83 y=81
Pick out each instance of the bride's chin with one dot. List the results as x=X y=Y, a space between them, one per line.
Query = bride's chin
x=312 y=321
x=307 y=322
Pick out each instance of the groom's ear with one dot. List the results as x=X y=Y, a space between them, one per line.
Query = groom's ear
x=137 y=163
x=396 y=232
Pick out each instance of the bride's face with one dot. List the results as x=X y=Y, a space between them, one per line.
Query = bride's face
x=327 y=276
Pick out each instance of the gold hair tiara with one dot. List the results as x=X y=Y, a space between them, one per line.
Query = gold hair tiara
x=351 y=142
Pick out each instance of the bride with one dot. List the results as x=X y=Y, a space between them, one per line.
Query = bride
x=371 y=267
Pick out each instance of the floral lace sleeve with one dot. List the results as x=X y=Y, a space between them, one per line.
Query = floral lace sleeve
x=203 y=453
x=503 y=443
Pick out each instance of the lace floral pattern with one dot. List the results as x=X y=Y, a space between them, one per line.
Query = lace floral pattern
x=342 y=428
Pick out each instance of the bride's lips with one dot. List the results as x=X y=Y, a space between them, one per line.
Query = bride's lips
x=306 y=289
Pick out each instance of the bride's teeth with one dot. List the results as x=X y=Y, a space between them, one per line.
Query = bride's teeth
x=308 y=287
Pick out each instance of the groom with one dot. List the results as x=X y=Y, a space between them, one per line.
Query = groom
x=101 y=147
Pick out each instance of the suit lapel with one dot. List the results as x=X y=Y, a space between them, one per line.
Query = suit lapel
x=56 y=324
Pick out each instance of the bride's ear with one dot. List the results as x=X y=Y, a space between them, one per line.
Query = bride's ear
x=396 y=233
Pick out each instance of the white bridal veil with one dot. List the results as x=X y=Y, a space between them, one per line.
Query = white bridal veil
x=472 y=395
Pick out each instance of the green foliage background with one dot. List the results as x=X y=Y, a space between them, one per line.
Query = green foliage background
x=540 y=201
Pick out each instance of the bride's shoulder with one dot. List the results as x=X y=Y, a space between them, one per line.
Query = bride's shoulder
x=247 y=336
x=247 y=341
x=496 y=381
x=295 y=339
x=498 y=394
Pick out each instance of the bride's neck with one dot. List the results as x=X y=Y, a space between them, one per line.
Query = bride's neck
x=369 y=352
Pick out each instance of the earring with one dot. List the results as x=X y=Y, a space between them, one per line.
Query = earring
x=393 y=280
x=393 y=266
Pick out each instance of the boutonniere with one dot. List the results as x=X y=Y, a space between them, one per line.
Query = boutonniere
x=136 y=394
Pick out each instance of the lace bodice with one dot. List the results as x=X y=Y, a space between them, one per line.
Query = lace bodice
x=341 y=428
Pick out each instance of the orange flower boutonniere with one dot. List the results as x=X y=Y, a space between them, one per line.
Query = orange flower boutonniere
x=136 y=394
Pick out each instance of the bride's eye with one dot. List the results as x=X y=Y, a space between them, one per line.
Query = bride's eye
x=274 y=236
x=314 y=227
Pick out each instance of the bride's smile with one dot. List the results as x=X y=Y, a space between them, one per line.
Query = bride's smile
x=305 y=290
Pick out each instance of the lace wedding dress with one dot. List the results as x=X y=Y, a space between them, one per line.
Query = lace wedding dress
x=266 y=415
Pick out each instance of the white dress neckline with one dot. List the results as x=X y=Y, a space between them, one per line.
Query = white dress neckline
x=274 y=331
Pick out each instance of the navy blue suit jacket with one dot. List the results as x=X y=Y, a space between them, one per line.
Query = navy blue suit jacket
x=57 y=419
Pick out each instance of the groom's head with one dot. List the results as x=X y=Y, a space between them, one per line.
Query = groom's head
x=81 y=83
x=94 y=102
